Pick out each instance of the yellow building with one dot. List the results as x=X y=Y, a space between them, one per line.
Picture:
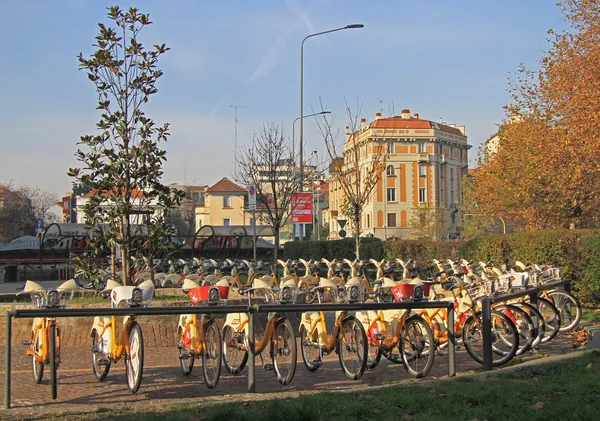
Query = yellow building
x=223 y=204
x=426 y=163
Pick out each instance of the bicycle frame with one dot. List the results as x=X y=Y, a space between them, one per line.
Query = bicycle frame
x=376 y=322
x=43 y=324
x=115 y=349
x=239 y=322
x=315 y=321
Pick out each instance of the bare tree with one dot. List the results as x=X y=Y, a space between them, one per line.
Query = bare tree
x=357 y=164
x=269 y=165
x=21 y=208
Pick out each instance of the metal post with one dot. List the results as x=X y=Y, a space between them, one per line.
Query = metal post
x=251 y=356
x=254 y=232
x=7 y=359
x=486 y=313
x=451 y=343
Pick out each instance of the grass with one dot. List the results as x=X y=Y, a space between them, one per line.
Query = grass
x=561 y=390
x=591 y=314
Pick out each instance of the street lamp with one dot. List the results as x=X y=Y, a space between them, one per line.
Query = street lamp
x=353 y=26
x=294 y=130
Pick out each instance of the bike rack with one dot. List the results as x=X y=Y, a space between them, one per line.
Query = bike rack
x=224 y=309
x=486 y=312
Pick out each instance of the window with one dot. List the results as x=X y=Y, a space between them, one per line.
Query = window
x=422 y=170
x=451 y=174
x=442 y=195
x=196 y=197
x=391 y=149
x=452 y=197
x=442 y=172
x=390 y=170
x=422 y=148
x=368 y=221
x=391 y=220
x=226 y=222
x=391 y=195
x=422 y=195
x=226 y=201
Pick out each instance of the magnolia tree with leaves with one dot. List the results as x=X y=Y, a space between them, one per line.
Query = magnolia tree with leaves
x=545 y=171
x=269 y=165
x=122 y=162
x=357 y=164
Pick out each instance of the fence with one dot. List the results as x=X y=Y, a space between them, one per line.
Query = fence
x=225 y=309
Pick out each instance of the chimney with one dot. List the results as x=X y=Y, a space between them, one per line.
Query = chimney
x=347 y=133
x=363 y=123
x=377 y=116
x=406 y=114
x=416 y=115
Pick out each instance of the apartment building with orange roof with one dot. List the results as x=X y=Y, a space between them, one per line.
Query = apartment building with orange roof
x=426 y=163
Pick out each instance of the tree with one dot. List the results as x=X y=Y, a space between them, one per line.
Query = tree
x=123 y=162
x=356 y=165
x=546 y=170
x=428 y=223
x=269 y=165
x=21 y=208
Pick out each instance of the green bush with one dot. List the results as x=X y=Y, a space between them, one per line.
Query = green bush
x=333 y=249
x=589 y=288
x=423 y=252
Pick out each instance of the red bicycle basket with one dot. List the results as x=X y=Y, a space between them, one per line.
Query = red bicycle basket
x=403 y=291
x=199 y=294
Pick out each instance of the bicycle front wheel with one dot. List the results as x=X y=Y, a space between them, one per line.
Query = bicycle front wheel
x=211 y=355
x=310 y=349
x=536 y=318
x=568 y=307
x=53 y=360
x=505 y=340
x=416 y=347
x=36 y=348
x=284 y=351
x=524 y=324
x=134 y=362
x=235 y=353
x=352 y=348
x=551 y=317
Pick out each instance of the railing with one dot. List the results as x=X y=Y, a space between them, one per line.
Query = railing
x=486 y=312
x=250 y=310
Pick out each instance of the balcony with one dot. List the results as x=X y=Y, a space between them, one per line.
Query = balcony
x=423 y=157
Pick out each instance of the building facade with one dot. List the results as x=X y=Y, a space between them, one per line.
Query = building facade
x=223 y=204
x=421 y=183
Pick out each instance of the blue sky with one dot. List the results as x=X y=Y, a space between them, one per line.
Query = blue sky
x=442 y=59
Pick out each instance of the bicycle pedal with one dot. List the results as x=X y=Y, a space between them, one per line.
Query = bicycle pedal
x=239 y=336
x=102 y=362
x=317 y=363
x=26 y=343
x=268 y=367
x=379 y=336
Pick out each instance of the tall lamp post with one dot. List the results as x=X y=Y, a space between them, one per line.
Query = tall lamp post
x=294 y=129
x=353 y=26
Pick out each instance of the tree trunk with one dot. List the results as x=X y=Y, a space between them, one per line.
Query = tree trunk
x=357 y=235
x=275 y=252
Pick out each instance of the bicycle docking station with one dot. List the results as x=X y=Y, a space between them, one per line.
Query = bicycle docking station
x=486 y=313
x=251 y=311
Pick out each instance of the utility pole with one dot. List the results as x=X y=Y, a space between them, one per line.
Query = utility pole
x=235 y=138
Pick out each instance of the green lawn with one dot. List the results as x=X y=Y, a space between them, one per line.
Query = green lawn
x=569 y=389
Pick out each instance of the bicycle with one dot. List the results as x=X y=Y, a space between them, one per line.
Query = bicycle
x=387 y=330
x=45 y=332
x=200 y=337
x=348 y=339
x=278 y=335
x=107 y=347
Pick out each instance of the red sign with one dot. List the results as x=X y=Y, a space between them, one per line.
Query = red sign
x=302 y=208
x=66 y=204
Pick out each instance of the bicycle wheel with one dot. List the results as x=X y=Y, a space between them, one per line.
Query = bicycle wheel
x=36 y=347
x=569 y=308
x=284 y=351
x=235 y=353
x=211 y=354
x=537 y=319
x=100 y=370
x=186 y=361
x=551 y=317
x=134 y=362
x=416 y=345
x=352 y=348
x=525 y=327
x=505 y=340
x=310 y=349
x=53 y=359
x=373 y=352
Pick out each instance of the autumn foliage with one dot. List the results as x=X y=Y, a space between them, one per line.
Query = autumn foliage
x=545 y=171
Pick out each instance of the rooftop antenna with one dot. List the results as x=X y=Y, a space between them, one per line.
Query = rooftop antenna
x=235 y=138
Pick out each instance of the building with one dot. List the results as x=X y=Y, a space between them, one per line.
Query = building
x=426 y=163
x=224 y=203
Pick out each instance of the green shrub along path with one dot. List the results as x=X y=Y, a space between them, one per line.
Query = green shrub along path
x=562 y=389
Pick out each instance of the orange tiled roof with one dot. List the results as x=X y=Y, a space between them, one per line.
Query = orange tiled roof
x=398 y=122
x=225 y=185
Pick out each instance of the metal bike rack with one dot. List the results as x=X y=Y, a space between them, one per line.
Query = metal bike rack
x=486 y=312
x=222 y=309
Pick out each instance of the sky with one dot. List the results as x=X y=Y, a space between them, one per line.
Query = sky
x=446 y=60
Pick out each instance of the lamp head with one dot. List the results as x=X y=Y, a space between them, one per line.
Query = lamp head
x=355 y=26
